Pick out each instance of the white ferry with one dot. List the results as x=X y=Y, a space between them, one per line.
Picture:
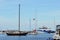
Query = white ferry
x=46 y=29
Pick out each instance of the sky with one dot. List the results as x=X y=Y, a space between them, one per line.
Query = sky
x=45 y=12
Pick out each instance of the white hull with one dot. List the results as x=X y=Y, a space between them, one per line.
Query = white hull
x=56 y=36
x=33 y=33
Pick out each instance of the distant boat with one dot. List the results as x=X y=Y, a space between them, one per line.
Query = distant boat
x=17 y=33
x=34 y=32
x=46 y=29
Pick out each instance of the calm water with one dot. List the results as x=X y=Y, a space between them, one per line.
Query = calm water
x=44 y=36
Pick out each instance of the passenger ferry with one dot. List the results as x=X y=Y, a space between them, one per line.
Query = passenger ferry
x=46 y=29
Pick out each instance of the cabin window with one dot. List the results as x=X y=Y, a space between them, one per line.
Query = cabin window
x=59 y=32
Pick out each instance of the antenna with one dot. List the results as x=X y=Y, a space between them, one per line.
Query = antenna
x=19 y=19
x=35 y=19
x=54 y=22
x=30 y=24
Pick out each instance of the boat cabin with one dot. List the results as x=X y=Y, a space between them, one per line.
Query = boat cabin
x=57 y=34
x=58 y=29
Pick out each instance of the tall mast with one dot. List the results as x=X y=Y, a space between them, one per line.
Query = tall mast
x=19 y=19
x=30 y=24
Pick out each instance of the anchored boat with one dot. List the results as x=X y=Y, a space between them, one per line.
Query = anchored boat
x=46 y=29
x=17 y=33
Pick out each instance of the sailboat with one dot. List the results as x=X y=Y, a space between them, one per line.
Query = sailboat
x=17 y=33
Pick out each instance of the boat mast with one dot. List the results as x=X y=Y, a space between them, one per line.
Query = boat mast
x=19 y=19
x=30 y=23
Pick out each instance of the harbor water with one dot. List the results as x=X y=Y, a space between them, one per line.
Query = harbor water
x=42 y=36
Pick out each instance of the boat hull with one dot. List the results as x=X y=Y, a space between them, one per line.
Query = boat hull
x=16 y=34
